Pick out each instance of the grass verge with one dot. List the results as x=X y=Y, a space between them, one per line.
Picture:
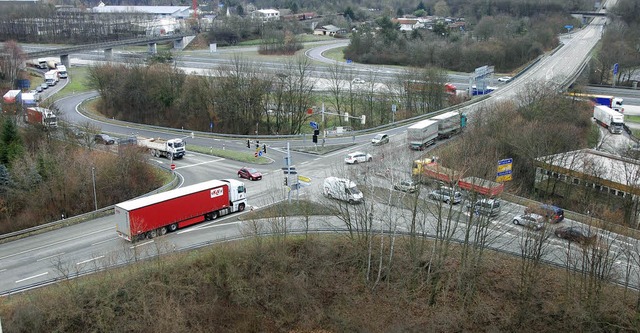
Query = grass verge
x=230 y=154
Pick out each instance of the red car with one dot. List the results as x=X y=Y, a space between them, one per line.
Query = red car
x=249 y=173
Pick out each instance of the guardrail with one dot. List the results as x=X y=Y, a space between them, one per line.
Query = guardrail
x=82 y=217
x=620 y=281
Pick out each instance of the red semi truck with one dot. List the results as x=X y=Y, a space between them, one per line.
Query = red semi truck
x=160 y=213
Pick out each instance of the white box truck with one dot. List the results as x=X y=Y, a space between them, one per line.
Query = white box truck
x=422 y=134
x=341 y=189
x=609 y=118
x=449 y=124
x=62 y=71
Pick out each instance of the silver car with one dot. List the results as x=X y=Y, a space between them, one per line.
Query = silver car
x=406 y=185
x=533 y=221
x=380 y=139
x=447 y=195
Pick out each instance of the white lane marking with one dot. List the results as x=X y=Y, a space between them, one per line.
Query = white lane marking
x=49 y=257
x=206 y=226
x=54 y=243
x=2 y=270
x=304 y=162
x=89 y=260
x=141 y=244
x=32 y=277
x=104 y=241
x=196 y=164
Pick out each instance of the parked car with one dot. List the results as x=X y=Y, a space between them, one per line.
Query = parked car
x=445 y=194
x=358 y=157
x=104 y=139
x=553 y=213
x=576 y=234
x=380 y=139
x=44 y=86
x=249 y=173
x=357 y=81
x=406 y=185
x=505 y=79
x=533 y=221
x=39 y=89
x=488 y=207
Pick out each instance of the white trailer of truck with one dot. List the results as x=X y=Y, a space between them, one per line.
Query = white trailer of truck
x=449 y=124
x=172 y=148
x=609 y=118
x=422 y=134
x=51 y=77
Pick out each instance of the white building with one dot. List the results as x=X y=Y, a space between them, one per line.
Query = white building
x=266 y=15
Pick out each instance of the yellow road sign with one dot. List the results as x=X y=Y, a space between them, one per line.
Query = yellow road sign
x=304 y=179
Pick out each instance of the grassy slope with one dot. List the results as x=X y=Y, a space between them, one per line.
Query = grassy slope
x=303 y=285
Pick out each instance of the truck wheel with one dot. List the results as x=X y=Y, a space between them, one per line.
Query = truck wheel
x=241 y=207
x=152 y=234
x=163 y=231
x=351 y=202
x=214 y=215
x=173 y=227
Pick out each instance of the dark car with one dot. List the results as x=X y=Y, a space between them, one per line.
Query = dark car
x=553 y=213
x=576 y=234
x=249 y=173
x=104 y=139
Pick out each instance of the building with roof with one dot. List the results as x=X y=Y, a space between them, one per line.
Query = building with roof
x=177 y=12
x=593 y=177
x=266 y=15
x=329 y=30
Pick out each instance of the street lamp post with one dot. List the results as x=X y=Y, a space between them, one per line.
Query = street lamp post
x=95 y=197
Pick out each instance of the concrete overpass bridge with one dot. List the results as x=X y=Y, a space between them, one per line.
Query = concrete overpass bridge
x=179 y=42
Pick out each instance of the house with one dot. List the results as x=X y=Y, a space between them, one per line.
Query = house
x=589 y=175
x=176 y=12
x=266 y=15
x=408 y=24
x=329 y=30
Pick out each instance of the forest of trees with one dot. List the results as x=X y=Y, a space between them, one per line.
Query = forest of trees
x=241 y=99
x=43 y=178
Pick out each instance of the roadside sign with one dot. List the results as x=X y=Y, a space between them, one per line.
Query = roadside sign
x=393 y=108
x=615 y=69
x=313 y=125
x=173 y=166
x=304 y=179
x=260 y=153
x=504 y=170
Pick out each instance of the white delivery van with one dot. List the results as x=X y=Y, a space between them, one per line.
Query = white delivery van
x=341 y=189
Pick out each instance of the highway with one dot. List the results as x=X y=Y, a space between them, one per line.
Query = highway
x=92 y=245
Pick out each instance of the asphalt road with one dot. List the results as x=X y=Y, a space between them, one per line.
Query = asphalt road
x=93 y=245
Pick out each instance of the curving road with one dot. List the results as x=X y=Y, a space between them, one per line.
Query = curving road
x=93 y=245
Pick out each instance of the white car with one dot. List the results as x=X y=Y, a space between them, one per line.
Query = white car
x=357 y=81
x=358 y=157
x=505 y=79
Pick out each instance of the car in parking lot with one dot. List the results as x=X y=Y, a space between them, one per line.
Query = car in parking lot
x=406 y=185
x=357 y=81
x=380 y=139
x=533 y=221
x=505 y=79
x=576 y=234
x=104 y=139
x=358 y=157
x=39 y=89
x=249 y=173
x=446 y=194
